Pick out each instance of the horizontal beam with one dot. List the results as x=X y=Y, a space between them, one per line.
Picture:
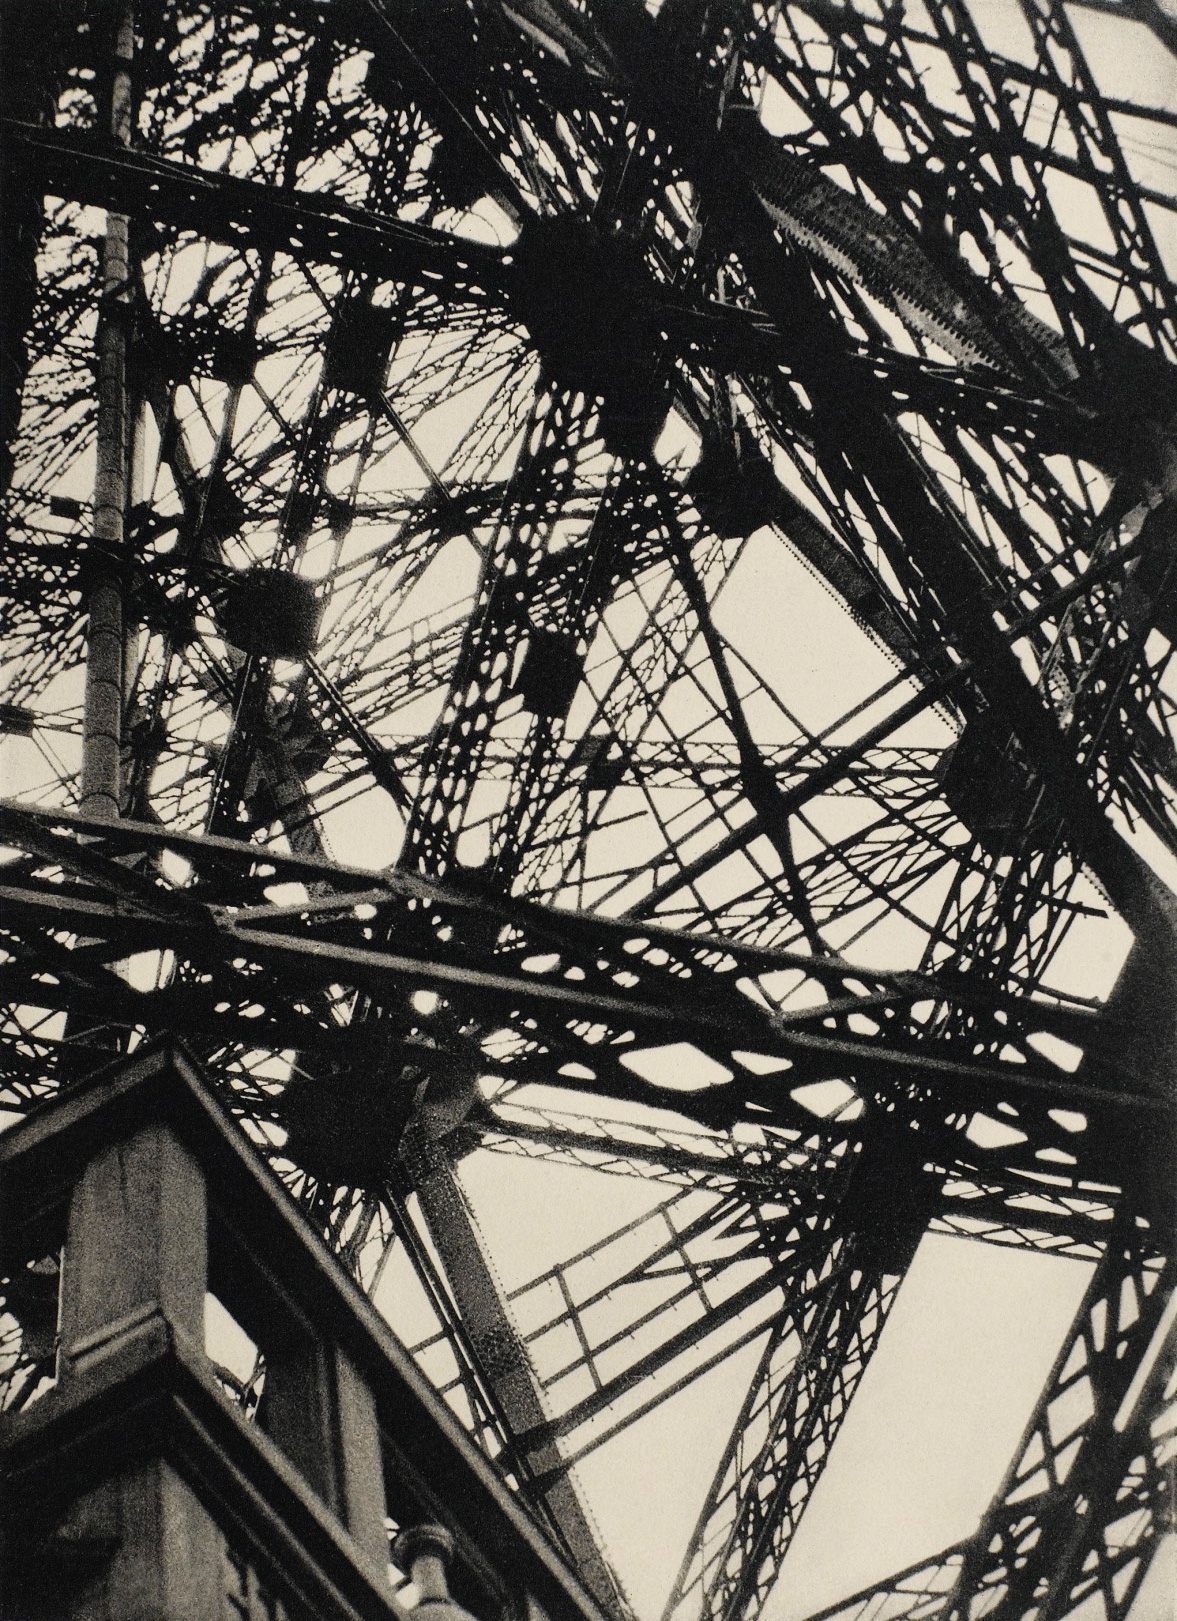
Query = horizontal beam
x=999 y=1215
x=242 y=213
x=393 y=975
x=79 y=845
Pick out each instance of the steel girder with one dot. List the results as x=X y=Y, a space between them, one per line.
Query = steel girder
x=828 y=1272
x=573 y=972
x=752 y=318
x=1089 y=1492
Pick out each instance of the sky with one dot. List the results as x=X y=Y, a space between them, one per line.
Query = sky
x=929 y=1434
x=974 y=1328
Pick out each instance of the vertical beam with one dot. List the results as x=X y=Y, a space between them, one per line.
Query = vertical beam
x=361 y=1497
x=140 y=1546
x=103 y=703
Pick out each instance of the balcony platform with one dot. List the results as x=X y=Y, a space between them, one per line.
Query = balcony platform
x=136 y=1487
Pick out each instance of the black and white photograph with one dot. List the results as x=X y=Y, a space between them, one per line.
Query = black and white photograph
x=588 y=810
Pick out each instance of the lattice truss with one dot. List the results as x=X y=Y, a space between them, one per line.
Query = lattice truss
x=639 y=543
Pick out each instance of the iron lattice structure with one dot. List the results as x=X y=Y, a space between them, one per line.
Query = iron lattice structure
x=397 y=396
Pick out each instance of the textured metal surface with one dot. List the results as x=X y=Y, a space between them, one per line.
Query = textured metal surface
x=379 y=488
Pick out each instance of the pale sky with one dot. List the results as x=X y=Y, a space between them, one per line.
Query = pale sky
x=975 y=1328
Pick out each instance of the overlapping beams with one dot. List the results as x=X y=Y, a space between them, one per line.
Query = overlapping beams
x=1088 y=1445
x=967 y=934
x=1009 y=671
x=508 y=611
x=240 y=212
x=933 y=538
x=883 y=63
x=742 y=1536
x=575 y=965
x=1088 y=1494
x=910 y=506
x=957 y=609
x=214 y=857
x=790 y=1206
x=795 y=1406
x=548 y=999
x=323 y=229
x=685 y=1315
x=880 y=73
x=1013 y=1209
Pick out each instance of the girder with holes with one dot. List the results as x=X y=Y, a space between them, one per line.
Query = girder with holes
x=711 y=502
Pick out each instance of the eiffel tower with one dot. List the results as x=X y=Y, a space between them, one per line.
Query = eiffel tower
x=592 y=587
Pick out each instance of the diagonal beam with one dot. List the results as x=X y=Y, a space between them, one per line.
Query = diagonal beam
x=1149 y=12
x=322 y=941
x=228 y=209
x=808 y=1373
x=231 y=871
x=1089 y=1494
x=974 y=1203
x=489 y=1328
x=385 y=974
x=932 y=536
